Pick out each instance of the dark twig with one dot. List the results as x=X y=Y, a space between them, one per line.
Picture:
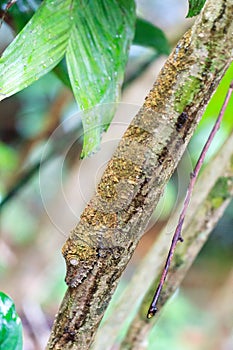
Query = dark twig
x=177 y=235
x=8 y=5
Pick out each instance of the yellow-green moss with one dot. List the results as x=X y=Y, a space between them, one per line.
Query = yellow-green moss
x=178 y=260
x=219 y=192
x=186 y=93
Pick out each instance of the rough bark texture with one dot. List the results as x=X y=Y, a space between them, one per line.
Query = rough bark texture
x=211 y=194
x=216 y=189
x=111 y=225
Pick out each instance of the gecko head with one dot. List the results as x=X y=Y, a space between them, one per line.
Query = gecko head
x=80 y=260
x=77 y=271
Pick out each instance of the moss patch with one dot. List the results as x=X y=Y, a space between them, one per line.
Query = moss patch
x=220 y=191
x=186 y=93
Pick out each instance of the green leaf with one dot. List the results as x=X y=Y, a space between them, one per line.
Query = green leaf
x=195 y=7
x=95 y=36
x=96 y=57
x=148 y=35
x=10 y=325
x=37 y=49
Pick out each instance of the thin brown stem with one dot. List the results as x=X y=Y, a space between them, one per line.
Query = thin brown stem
x=177 y=235
x=9 y=4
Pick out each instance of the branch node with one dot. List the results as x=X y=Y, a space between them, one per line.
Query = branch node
x=152 y=311
x=181 y=239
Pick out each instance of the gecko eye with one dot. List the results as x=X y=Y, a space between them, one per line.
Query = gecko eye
x=73 y=261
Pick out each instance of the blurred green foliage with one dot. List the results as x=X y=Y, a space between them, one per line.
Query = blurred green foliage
x=10 y=325
x=148 y=35
x=172 y=329
x=8 y=158
x=209 y=117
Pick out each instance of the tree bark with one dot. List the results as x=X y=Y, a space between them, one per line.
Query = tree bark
x=212 y=193
x=99 y=248
x=216 y=189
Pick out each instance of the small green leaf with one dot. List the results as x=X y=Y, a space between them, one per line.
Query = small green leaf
x=96 y=57
x=195 y=7
x=37 y=48
x=148 y=35
x=10 y=325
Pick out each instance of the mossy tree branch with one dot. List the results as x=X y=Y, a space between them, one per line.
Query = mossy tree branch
x=212 y=193
x=201 y=221
x=111 y=225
